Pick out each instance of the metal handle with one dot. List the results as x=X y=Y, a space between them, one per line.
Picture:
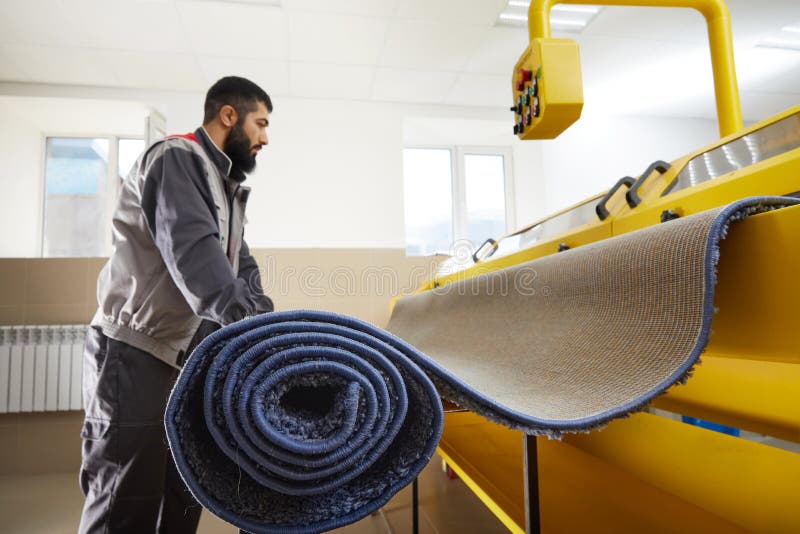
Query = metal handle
x=632 y=196
x=601 y=209
x=489 y=241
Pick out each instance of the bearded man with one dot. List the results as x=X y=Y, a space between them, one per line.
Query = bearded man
x=179 y=269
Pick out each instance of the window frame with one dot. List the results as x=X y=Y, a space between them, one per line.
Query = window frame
x=458 y=189
x=460 y=223
x=115 y=186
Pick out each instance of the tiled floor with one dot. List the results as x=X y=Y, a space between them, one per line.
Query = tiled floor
x=51 y=503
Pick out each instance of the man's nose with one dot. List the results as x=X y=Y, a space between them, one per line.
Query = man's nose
x=263 y=139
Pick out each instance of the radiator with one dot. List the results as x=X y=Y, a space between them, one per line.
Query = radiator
x=40 y=368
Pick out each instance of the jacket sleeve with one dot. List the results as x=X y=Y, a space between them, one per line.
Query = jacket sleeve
x=248 y=271
x=181 y=216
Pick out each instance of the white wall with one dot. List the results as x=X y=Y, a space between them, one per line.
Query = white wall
x=598 y=150
x=20 y=184
x=332 y=174
x=24 y=124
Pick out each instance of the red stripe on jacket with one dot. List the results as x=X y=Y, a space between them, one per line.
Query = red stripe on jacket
x=189 y=136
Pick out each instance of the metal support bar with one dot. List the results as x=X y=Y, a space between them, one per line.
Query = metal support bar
x=531 y=472
x=415 y=506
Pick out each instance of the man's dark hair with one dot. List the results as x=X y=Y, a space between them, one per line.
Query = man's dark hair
x=234 y=91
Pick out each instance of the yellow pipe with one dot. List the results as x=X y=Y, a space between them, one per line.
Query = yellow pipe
x=726 y=89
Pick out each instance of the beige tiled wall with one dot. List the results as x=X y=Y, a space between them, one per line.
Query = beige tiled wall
x=40 y=443
x=358 y=282
x=48 y=290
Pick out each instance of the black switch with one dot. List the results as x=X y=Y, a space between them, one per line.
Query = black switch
x=516 y=129
x=669 y=215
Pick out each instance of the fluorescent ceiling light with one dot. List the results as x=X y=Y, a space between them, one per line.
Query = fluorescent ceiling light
x=514 y=17
x=568 y=8
x=788 y=44
x=574 y=23
x=792 y=29
x=553 y=22
x=566 y=17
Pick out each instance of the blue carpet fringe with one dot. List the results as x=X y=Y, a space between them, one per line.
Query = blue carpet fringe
x=305 y=421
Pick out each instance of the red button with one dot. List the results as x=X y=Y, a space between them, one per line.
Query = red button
x=525 y=75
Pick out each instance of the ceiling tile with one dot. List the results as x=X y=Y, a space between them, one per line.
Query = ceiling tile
x=412 y=86
x=430 y=45
x=131 y=25
x=769 y=69
x=486 y=90
x=340 y=39
x=318 y=80
x=498 y=51
x=483 y=12
x=235 y=30
x=609 y=59
x=63 y=65
x=750 y=18
x=272 y=76
x=653 y=23
x=379 y=8
x=158 y=70
x=42 y=22
x=645 y=80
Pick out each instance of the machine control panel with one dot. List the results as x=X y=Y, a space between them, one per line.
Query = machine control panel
x=547 y=89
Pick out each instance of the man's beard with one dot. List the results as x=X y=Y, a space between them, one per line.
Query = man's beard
x=237 y=148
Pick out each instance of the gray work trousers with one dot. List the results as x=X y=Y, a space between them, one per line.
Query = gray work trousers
x=127 y=474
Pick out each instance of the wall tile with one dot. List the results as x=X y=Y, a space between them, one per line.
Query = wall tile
x=57 y=314
x=289 y=273
x=12 y=281
x=56 y=281
x=50 y=447
x=12 y=315
x=72 y=417
x=9 y=419
x=9 y=436
x=93 y=267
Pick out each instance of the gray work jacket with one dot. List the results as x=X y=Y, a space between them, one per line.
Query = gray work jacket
x=178 y=251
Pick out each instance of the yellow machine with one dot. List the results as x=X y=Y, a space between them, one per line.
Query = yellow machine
x=649 y=472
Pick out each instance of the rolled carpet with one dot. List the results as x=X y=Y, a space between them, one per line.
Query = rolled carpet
x=305 y=421
x=301 y=421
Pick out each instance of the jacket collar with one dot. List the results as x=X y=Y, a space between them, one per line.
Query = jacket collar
x=220 y=159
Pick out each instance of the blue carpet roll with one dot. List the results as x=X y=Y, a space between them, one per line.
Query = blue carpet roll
x=301 y=421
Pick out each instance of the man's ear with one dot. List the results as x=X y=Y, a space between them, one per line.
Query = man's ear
x=228 y=116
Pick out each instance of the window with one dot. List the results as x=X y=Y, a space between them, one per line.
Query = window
x=456 y=194
x=81 y=185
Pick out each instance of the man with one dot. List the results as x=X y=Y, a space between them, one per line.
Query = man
x=178 y=269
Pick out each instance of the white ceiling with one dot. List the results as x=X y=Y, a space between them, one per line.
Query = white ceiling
x=635 y=60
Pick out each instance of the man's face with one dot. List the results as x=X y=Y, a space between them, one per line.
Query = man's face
x=247 y=137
